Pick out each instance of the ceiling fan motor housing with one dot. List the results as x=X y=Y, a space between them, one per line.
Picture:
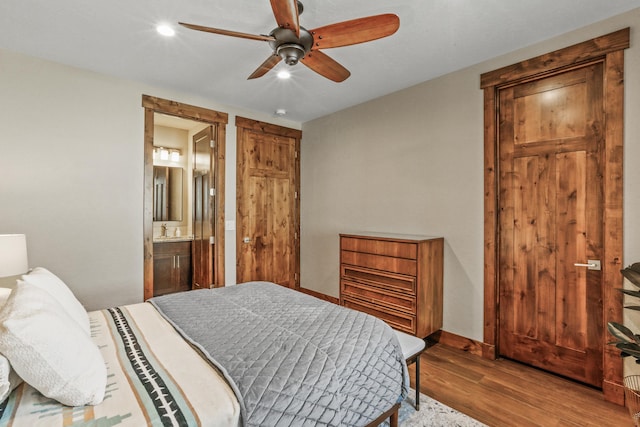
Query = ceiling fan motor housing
x=289 y=47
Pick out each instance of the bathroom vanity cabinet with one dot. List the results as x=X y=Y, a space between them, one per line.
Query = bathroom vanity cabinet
x=171 y=267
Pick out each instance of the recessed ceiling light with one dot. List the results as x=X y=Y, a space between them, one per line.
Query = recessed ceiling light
x=281 y=112
x=166 y=30
x=284 y=74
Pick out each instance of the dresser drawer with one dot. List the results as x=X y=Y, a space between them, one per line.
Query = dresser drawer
x=396 y=319
x=380 y=247
x=380 y=296
x=382 y=279
x=380 y=262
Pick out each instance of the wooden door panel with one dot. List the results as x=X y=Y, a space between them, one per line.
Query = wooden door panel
x=525 y=255
x=547 y=110
x=570 y=286
x=203 y=209
x=257 y=250
x=270 y=155
x=281 y=231
x=550 y=219
x=267 y=204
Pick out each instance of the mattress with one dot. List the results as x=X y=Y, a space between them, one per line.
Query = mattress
x=293 y=359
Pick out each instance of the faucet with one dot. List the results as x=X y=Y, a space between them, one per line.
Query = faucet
x=163 y=230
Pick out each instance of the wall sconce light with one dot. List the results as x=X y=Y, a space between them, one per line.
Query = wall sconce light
x=166 y=154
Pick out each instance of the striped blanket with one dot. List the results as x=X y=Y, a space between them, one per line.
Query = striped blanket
x=154 y=379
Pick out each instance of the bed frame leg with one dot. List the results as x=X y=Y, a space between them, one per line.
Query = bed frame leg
x=393 y=420
x=418 y=382
x=391 y=414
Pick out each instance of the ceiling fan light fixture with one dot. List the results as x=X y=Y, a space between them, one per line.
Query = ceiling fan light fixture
x=166 y=30
x=284 y=74
x=290 y=53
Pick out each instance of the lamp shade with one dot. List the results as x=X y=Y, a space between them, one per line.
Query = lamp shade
x=13 y=255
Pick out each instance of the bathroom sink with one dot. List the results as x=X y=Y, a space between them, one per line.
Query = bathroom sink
x=172 y=238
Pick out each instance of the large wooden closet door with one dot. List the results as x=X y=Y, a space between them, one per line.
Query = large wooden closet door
x=203 y=208
x=551 y=216
x=267 y=203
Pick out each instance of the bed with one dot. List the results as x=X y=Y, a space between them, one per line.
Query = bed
x=251 y=354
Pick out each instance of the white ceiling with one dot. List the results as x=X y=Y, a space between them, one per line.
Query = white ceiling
x=118 y=37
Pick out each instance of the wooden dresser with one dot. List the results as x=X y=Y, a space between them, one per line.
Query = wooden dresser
x=395 y=277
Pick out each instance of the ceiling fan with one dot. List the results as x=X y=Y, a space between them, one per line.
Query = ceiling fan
x=292 y=43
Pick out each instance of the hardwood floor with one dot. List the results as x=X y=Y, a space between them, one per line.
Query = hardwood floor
x=506 y=393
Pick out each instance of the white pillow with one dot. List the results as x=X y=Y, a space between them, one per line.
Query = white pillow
x=8 y=378
x=4 y=295
x=49 y=350
x=44 y=279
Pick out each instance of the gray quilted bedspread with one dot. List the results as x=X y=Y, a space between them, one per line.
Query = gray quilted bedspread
x=292 y=359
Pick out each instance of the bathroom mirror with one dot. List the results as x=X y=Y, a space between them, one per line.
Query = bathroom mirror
x=167 y=193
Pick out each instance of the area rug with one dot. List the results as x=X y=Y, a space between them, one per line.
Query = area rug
x=431 y=414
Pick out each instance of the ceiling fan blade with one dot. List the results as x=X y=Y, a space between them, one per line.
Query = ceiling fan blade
x=228 y=33
x=286 y=14
x=264 y=68
x=355 y=31
x=325 y=66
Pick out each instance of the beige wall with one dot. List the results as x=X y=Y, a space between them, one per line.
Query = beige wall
x=409 y=162
x=71 y=173
x=412 y=162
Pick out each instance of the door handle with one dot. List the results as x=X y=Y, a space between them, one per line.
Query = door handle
x=246 y=240
x=592 y=264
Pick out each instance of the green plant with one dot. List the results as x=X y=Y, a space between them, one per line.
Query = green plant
x=626 y=341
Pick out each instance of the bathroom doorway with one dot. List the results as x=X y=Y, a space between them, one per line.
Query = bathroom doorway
x=162 y=117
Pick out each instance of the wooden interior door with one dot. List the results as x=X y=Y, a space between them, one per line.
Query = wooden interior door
x=267 y=203
x=550 y=223
x=203 y=208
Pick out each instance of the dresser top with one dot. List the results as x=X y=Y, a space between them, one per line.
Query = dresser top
x=390 y=236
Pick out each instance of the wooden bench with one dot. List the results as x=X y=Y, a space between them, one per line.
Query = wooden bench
x=412 y=347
